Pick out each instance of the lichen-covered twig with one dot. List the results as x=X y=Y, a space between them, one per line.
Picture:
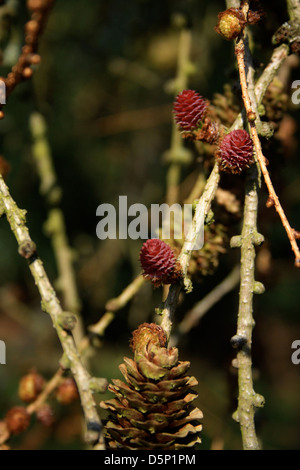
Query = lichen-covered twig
x=248 y=400
x=202 y=209
x=113 y=305
x=61 y=320
x=294 y=9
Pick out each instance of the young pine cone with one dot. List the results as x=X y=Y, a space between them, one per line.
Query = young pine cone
x=154 y=410
x=159 y=263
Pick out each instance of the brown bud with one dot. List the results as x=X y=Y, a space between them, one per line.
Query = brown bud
x=45 y=415
x=209 y=132
x=32 y=27
x=2 y=115
x=270 y=202
x=26 y=49
x=34 y=59
x=231 y=23
x=17 y=419
x=35 y=5
x=148 y=333
x=27 y=249
x=296 y=234
x=67 y=392
x=30 y=387
x=251 y=116
x=27 y=72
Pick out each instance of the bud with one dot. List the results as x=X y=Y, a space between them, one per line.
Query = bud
x=231 y=23
x=235 y=152
x=148 y=333
x=30 y=387
x=270 y=202
x=17 y=419
x=67 y=392
x=159 y=262
x=45 y=415
x=189 y=110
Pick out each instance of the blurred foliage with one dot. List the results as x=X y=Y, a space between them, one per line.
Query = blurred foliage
x=104 y=89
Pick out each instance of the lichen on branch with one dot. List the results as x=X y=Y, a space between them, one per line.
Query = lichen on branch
x=51 y=305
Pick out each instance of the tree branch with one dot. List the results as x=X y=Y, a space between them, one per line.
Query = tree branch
x=248 y=400
x=60 y=319
x=250 y=111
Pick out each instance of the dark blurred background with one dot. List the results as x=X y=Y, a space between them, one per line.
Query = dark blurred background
x=103 y=87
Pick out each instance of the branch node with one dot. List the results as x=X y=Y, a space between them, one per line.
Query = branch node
x=296 y=234
x=236 y=241
x=188 y=285
x=265 y=130
x=235 y=363
x=238 y=342
x=27 y=249
x=257 y=239
x=235 y=416
x=258 y=400
x=67 y=321
x=251 y=115
x=270 y=202
x=258 y=288
x=98 y=384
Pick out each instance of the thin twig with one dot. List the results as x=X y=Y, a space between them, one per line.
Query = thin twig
x=273 y=198
x=201 y=212
x=113 y=305
x=51 y=305
x=48 y=389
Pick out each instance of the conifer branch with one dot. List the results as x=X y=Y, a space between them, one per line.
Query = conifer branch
x=51 y=305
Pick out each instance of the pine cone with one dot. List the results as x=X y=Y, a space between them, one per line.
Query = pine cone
x=235 y=152
x=159 y=262
x=154 y=410
x=231 y=23
x=189 y=110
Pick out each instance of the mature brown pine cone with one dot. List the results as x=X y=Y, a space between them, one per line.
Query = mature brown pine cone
x=154 y=410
